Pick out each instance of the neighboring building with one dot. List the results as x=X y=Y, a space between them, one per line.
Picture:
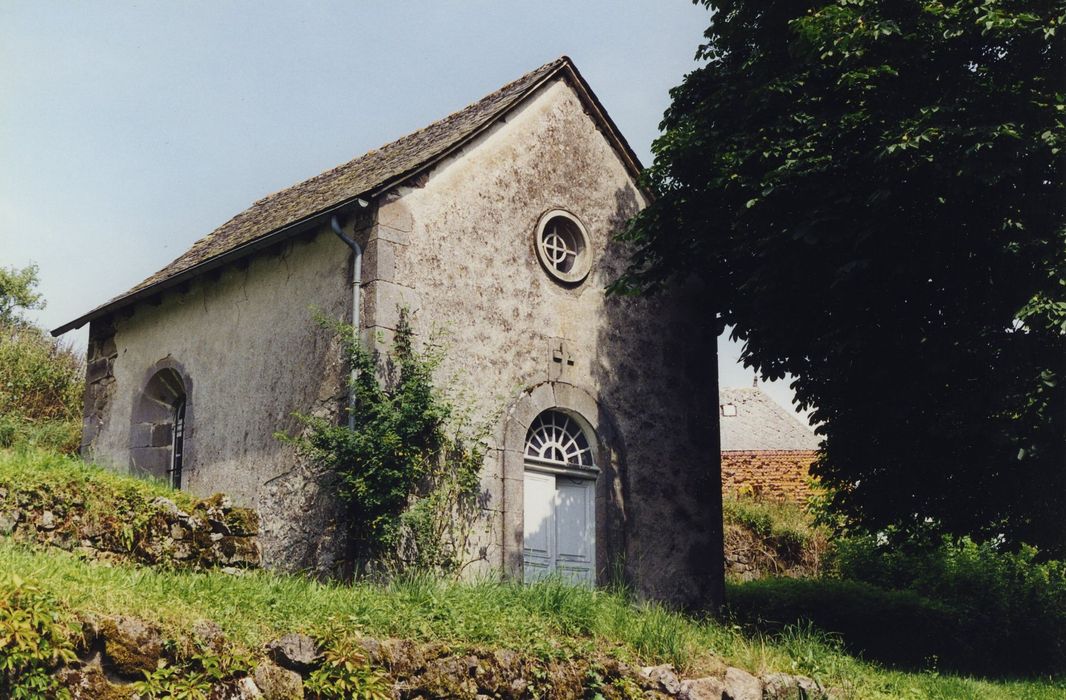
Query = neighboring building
x=497 y=225
x=766 y=450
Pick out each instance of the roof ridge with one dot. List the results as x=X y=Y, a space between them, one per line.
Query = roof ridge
x=412 y=134
x=290 y=209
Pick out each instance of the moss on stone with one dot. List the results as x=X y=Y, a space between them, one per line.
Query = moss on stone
x=242 y=521
x=131 y=646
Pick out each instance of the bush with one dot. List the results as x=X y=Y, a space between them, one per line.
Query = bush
x=41 y=385
x=963 y=606
x=899 y=627
x=1010 y=607
x=35 y=637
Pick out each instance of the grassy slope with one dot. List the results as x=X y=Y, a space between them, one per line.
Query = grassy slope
x=548 y=619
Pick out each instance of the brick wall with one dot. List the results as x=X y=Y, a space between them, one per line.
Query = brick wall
x=779 y=475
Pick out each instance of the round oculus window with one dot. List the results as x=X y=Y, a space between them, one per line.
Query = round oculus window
x=563 y=247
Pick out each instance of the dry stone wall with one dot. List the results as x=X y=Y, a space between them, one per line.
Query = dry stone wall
x=211 y=534
x=117 y=651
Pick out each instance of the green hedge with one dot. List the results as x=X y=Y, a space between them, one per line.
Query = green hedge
x=899 y=627
x=957 y=606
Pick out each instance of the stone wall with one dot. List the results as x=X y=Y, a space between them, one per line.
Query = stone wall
x=211 y=534
x=250 y=354
x=779 y=475
x=116 y=651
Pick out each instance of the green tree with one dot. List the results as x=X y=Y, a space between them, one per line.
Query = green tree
x=873 y=192
x=18 y=292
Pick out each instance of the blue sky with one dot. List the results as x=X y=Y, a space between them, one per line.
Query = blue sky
x=130 y=129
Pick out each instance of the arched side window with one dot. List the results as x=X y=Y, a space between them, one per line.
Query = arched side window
x=158 y=428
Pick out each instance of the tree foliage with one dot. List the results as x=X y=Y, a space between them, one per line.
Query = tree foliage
x=873 y=192
x=18 y=292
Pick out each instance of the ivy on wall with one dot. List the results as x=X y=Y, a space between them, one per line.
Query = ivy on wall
x=409 y=468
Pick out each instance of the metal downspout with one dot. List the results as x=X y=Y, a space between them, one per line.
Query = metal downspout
x=357 y=283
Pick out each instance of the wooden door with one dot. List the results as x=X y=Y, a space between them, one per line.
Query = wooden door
x=560 y=527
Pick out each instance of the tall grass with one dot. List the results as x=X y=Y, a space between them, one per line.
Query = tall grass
x=782 y=537
x=548 y=620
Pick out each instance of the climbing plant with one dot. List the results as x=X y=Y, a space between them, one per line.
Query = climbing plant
x=408 y=463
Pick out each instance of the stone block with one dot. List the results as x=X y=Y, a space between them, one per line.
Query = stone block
x=702 y=689
x=664 y=677
x=141 y=434
x=150 y=461
x=396 y=216
x=295 y=651
x=97 y=370
x=741 y=685
x=382 y=302
x=132 y=646
x=532 y=403
x=379 y=262
x=162 y=435
x=278 y=683
x=579 y=401
x=106 y=347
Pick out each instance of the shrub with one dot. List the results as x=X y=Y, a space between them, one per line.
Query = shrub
x=894 y=626
x=35 y=637
x=1010 y=607
x=41 y=385
x=959 y=606
x=345 y=671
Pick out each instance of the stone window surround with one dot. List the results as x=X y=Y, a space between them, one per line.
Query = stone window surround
x=582 y=265
x=150 y=436
x=611 y=484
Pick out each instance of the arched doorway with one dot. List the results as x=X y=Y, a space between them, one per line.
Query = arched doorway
x=559 y=499
x=159 y=426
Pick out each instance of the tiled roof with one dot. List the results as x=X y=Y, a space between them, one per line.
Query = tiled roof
x=751 y=420
x=365 y=175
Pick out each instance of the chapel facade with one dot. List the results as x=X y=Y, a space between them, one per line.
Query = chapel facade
x=495 y=226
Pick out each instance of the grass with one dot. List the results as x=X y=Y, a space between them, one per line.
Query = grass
x=48 y=434
x=46 y=473
x=545 y=620
x=784 y=534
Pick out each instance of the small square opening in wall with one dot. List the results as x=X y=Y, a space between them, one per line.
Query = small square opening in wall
x=729 y=409
x=563 y=246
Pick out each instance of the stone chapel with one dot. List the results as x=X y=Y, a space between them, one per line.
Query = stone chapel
x=495 y=225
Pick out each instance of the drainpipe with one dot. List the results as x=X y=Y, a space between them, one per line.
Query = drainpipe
x=357 y=283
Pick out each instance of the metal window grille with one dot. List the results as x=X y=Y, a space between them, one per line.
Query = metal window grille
x=178 y=445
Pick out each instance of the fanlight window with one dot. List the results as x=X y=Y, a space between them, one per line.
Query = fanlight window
x=556 y=437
